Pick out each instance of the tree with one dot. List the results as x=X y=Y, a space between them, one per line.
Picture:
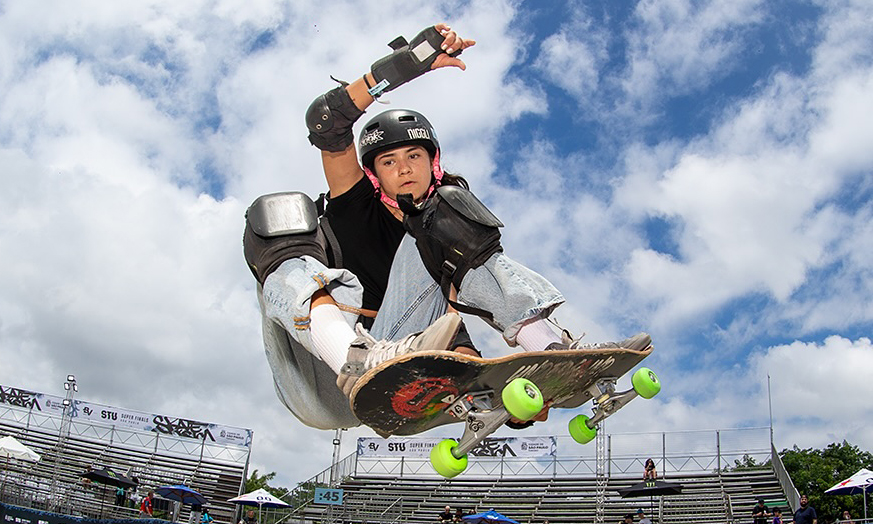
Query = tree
x=813 y=471
x=748 y=462
x=256 y=481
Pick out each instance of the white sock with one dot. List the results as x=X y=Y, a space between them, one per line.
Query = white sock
x=331 y=335
x=536 y=335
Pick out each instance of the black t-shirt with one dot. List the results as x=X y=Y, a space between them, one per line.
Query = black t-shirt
x=369 y=235
x=759 y=519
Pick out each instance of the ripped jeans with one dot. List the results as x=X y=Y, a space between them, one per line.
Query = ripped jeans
x=413 y=300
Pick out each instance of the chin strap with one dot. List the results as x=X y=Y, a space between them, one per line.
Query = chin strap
x=437 y=174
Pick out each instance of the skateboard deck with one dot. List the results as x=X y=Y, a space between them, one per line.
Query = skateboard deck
x=420 y=391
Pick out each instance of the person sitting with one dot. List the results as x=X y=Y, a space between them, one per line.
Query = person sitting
x=650 y=473
x=459 y=516
x=446 y=515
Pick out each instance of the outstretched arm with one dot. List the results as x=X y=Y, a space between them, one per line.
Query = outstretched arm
x=337 y=110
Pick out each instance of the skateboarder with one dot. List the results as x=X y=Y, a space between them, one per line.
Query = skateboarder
x=312 y=291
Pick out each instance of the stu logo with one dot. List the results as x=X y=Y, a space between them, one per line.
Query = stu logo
x=418 y=133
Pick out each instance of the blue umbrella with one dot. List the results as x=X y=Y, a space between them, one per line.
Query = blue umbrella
x=489 y=517
x=182 y=494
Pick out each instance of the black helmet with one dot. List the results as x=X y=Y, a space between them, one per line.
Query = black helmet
x=393 y=128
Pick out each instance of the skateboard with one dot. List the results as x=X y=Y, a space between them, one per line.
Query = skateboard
x=420 y=391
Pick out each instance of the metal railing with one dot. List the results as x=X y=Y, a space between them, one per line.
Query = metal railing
x=784 y=480
x=673 y=452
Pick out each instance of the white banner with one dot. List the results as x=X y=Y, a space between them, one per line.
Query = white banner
x=528 y=447
x=126 y=418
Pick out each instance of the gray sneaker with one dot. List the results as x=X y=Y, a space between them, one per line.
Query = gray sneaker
x=637 y=342
x=366 y=352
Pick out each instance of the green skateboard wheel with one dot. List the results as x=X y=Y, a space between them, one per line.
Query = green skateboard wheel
x=580 y=431
x=646 y=383
x=444 y=462
x=522 y=399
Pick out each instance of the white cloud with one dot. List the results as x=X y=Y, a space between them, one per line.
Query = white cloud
x=682 y=46
x=573 y=57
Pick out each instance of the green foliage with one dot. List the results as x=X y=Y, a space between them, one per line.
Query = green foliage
x=256 y=481
x=813 y=471
x=746 y=463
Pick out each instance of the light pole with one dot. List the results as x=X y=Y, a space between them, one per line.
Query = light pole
x=66 y=417
x=334 y=465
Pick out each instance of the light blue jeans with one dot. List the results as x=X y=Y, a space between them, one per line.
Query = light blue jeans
x=511 y=292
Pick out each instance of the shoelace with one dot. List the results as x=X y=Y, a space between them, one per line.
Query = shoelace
x=379 y=350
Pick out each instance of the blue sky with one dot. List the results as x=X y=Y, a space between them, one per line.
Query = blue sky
x=697 y=170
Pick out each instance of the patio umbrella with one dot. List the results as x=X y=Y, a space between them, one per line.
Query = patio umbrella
x=11 y=448
x=651 y=489
x=107 y=476
x=259 y=498
x=489 y=517
x=181 y=493
x=860 y=482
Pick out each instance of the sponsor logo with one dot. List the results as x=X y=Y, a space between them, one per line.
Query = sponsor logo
x=372 y=137
x=418 y=133
x=423 y=397
x=19 y=398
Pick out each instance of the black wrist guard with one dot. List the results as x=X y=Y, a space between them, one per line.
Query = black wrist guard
x=408 y=61
x=330 y=118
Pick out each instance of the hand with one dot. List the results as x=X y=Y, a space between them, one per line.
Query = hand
x=451 y=44
x=542 y=416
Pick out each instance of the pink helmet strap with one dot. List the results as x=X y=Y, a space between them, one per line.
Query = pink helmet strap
x=437 y=174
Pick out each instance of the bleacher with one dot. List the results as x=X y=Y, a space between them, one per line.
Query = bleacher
x=715 y=497
x=154 y=459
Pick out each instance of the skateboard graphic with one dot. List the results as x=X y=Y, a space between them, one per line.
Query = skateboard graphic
x=420 y=391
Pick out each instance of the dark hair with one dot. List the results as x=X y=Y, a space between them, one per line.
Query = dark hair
x=450 y=179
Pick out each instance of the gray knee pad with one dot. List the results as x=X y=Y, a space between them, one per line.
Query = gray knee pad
x=281 y=226
x=454 y=232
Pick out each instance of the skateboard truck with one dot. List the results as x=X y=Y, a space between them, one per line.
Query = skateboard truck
x=481 y=419
x=606 y=402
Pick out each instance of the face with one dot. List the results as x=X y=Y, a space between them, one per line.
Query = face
x=803 y=500
x=406 y=169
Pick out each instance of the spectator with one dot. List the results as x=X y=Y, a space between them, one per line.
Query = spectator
x=846 y=518
x=147 y=507
x=643 y=518
x=777 y=516
x=446 y=515
x=759 y=513
x=120 y=496
x=629 y=518
x=249 y=518
x=650 y=473
x=205 y=517
x=806 y=513
x=459 y=516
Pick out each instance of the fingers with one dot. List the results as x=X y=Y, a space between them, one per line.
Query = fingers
x=452 y=41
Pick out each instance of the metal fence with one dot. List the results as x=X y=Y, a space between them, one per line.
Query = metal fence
x=673 y=452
